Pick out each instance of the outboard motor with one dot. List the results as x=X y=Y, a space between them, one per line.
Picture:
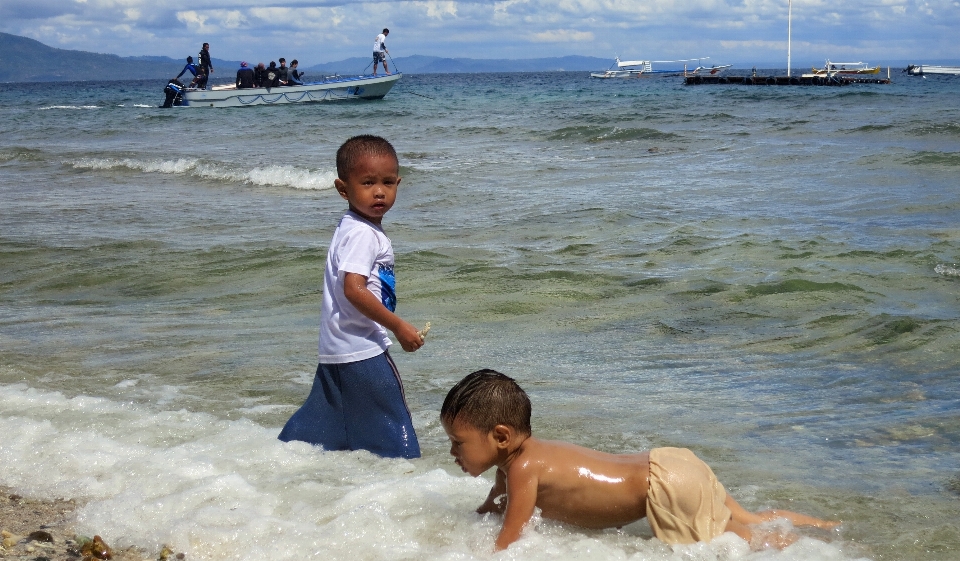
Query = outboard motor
x=174 y=93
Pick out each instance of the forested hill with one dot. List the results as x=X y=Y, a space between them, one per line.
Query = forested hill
x=26 y=60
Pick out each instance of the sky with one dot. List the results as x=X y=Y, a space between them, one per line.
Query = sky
x=739 y=32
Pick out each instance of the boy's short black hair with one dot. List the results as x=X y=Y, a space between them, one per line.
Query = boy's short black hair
x=385 y=31
x=485 y=399
x=361 y=146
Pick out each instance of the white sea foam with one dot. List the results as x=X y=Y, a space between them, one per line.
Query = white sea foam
x=950 y=271
x=228 y=489
x=269 y=176
x=70 y=107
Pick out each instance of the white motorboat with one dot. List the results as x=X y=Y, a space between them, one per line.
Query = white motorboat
x=923 y=69
x=645 y=68
x=330 y=88
x=831 y=68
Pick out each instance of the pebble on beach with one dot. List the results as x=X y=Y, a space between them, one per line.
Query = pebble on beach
x=35 y=530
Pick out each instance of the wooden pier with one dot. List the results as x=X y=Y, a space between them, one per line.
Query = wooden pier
x=803 y=80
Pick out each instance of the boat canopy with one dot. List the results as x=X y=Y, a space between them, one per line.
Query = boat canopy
x=646 y=63
x=831 y=65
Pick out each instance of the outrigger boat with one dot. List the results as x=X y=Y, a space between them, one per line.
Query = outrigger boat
x=328 y=89
x=644 y=68
x=831 y=68
x=923 y=69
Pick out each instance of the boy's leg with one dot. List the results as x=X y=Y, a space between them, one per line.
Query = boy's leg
x=741 y=519
x=375 y=410
x=320 y=419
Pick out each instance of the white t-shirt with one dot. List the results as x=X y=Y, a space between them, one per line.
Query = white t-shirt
x=346 y=335
x=378 y=43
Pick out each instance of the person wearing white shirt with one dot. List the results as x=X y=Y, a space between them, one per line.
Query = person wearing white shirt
x=380 y=51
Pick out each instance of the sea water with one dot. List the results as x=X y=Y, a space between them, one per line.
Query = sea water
x=766 y=275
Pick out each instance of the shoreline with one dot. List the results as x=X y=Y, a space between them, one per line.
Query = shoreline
x=44 y=529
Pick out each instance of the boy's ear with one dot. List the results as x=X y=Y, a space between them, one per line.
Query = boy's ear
x=341 y=188
x=502 y=435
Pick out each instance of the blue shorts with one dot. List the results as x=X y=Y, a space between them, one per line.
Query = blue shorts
x=356 y=406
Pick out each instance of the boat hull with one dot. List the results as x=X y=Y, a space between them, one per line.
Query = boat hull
x=922 y=69
x=339 y=88
x=846 y=72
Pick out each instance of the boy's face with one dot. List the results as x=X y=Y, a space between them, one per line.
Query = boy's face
x=475 y=450
x=371 y=186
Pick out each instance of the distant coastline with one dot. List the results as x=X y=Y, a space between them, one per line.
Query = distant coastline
x=28 y=60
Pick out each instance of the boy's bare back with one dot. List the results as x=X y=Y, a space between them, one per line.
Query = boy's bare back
x=578 y=485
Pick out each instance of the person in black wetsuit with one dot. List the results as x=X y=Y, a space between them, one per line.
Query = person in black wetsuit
x=271 y=76
x=205 y=67
x=260 y=76
x=244 y=76
x=282 y=72
x=173 y=93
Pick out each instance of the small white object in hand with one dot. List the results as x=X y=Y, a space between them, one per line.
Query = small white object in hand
x=423 y=332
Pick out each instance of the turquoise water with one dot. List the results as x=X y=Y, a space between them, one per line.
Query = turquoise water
x=767 y=275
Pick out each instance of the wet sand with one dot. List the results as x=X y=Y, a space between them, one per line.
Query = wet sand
x=36 y=529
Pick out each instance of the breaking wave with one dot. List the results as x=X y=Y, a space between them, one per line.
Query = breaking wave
x=270 y=176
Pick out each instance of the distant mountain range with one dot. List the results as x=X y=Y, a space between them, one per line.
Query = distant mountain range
x=25 y=60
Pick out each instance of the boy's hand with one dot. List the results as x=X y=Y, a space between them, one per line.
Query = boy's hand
x=409 y=337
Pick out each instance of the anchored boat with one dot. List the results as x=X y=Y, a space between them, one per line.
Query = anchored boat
x=922 y=69
x=331 y=88
x=831 y=68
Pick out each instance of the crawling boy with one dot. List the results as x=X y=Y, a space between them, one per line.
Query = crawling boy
x=487 y=418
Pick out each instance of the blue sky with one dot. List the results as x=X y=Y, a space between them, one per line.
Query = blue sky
x=742 y=32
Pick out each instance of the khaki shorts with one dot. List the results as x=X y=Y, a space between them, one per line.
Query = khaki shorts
x=685 y=503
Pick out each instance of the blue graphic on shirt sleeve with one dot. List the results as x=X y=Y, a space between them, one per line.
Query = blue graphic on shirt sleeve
x=388 y=287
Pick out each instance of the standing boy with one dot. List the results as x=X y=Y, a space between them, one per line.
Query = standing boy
x=380 y=51
x=487 y=418
x=357 y=400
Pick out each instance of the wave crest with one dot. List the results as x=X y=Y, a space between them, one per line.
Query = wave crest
x=271 y=176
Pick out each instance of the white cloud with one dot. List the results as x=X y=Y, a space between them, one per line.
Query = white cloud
x=438 y=10
x=562 y=36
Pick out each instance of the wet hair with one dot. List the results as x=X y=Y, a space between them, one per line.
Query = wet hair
x=485 y=399
x=361 y=146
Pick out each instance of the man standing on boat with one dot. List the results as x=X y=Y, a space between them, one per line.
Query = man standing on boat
x=205 y=67
x=380 y=51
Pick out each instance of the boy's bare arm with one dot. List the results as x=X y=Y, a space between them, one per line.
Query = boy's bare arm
x=356 y=291
x=498 y=489
x=521 y=500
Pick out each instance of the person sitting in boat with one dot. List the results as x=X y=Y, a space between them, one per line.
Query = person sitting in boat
x=295 y=76
x=192 y=69
x=244 y=76
x=271 y=78
x=283 y=73
x=259 y=75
